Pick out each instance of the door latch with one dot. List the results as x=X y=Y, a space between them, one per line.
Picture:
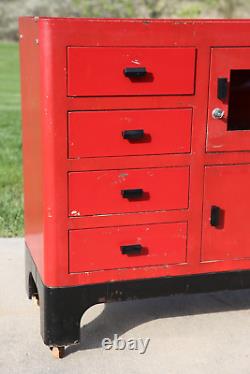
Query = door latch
x=222 y=88
x=218 y=113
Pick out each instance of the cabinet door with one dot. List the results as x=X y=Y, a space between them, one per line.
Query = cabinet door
x=226 y=213
x=229 y=97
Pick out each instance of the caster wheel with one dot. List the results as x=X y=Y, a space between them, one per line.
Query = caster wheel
x=57 y=352
x=35 y=300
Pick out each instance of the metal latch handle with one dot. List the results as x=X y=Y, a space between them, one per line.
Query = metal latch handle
x=135 y=193
x=133 y=134
x=132 y=249
x=135 y=72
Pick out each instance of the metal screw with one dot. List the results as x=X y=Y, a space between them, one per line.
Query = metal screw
x=218 y=113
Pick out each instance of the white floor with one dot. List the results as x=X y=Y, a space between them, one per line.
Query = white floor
x=188 y=334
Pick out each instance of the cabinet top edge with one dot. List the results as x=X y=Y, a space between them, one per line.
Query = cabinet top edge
x=174 y=21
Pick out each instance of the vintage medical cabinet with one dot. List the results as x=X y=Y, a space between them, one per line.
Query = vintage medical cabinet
x=136 y=152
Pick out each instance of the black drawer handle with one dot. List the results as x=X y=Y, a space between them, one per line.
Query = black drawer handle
x=133 y=134
x=132 y=193
x=215 y=216
x=134 y=72
x=132 y=249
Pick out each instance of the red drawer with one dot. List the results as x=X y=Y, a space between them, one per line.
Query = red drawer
x=131 y=190
x=160 y=131
x=99 y=71
x=127 y=246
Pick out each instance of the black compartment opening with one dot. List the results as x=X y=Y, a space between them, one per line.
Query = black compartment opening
x=239 y=100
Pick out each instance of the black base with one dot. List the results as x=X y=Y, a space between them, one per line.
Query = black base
x=61 y=308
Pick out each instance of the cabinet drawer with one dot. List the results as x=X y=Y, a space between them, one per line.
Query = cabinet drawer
x=127 y=246
x=129 y=132
x=130 y=190
x=110 y=71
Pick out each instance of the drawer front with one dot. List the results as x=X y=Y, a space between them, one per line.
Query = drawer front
x=109 y=71
x=129 y=132
x=131 y=190
x=127 y=246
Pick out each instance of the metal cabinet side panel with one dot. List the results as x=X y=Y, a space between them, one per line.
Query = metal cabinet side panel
x=32 y=139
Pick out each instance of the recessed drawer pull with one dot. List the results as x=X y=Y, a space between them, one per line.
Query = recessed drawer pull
x=132 y=193
x=133 y=134
x=135 y=72
x=131 y=249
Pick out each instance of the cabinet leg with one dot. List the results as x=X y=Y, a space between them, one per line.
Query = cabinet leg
x=61 y=309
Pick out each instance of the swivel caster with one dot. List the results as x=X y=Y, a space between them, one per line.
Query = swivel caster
x=35 y=299
x=58 y=352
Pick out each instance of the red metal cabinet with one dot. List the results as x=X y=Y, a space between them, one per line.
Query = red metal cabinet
x=91 y=131
x=136 y=151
